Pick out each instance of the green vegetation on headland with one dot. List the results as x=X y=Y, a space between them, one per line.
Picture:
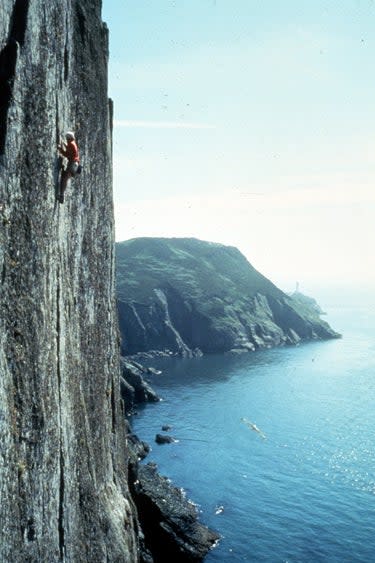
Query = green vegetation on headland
x=189 y=296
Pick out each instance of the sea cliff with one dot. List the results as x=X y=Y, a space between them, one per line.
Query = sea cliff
x=67 y=459
x=63 y=470
x=187 y=296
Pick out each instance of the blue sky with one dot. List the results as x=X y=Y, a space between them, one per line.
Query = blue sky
x=250 y=123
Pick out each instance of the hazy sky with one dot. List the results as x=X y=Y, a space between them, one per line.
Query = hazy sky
x=250 y=123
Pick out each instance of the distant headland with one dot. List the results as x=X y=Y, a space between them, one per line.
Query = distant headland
x=184 y=296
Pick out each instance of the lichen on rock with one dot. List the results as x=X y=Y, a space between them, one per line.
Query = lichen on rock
x=63 y=486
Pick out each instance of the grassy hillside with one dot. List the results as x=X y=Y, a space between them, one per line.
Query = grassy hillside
x=200 y=269
x=212 y=297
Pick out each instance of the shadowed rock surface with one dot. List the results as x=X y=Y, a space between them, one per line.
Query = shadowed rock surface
x=63 y=476
x=170 y=521
x=171 y=530
x=134 y=388
x=187 y=295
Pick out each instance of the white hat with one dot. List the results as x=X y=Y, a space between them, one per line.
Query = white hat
x=69 y=135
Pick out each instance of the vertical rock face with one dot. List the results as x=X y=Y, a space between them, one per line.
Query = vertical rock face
x=63 y=488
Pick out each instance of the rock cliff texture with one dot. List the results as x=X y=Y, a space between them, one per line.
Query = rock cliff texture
x=187 y=295
x=63 y=486
x=134 y=387
x=169 y=519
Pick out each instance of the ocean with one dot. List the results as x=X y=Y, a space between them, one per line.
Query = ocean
x=299 y=486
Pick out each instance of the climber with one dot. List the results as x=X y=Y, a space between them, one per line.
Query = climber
x=70 y=151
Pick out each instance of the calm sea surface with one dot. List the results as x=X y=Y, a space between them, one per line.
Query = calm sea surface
x=305 y=492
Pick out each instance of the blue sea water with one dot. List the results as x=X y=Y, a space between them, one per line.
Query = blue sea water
x=305 y=492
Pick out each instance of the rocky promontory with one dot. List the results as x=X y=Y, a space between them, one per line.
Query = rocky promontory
x=186 y=296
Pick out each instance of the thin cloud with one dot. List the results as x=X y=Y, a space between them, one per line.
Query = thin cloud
x=161 y=124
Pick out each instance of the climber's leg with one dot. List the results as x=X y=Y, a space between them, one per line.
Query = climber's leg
x=65 y=177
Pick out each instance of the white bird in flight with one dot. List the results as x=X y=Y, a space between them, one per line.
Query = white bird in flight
x=254 y=427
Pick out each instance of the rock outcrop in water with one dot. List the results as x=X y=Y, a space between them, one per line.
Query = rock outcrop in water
x=185 y=295
x=169 y=520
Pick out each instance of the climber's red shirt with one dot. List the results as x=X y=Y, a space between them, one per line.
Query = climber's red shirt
x=71 y=152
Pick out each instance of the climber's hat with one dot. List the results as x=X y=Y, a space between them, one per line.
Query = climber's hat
x=69 y=135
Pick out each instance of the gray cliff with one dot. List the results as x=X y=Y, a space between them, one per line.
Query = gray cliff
x=186 y=296
x=63 y=477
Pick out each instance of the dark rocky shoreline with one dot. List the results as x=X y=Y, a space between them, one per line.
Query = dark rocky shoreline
x=133 y=386
x=169 y=521
x=171 y=530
